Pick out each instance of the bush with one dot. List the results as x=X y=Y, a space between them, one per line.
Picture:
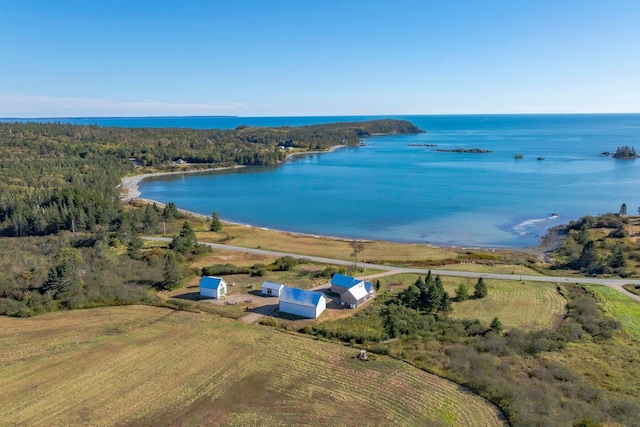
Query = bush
x=224 y=269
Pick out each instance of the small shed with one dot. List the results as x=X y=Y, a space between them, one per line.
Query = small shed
x=301 y=302
x=271 y=289
x=341 y=283
x=212 y=287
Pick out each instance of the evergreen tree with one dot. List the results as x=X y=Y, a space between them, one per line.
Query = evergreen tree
x=445 y=304
x=462 y=293
x=185 y=241
x=435 y=295
x=170 y=211
x=480 y=289
x=63 y=279
x=172 y=277
x=617 y=258
x=135 y=246
x=496 y=325
x=623 y=210
x=216 y=224
x=589 y=260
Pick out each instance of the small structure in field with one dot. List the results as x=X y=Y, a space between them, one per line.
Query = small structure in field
x=271 y=289
x=301 y=302
x=212 y=287
x=353 y=292
x=363 y=355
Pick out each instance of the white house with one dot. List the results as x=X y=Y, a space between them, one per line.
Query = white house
x=271 y=289
x=358 y=294
x=212 y=287
x=353 y=292
x=302 y=303
x=341 y=283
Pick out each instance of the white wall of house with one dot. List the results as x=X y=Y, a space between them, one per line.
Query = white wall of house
x=218 y=292
x=307 y=311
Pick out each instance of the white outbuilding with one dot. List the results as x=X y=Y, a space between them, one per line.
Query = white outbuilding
x=212 y=287
x=271 y=289
x=302 y=303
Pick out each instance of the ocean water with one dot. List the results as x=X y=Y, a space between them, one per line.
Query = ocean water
x=391 y=190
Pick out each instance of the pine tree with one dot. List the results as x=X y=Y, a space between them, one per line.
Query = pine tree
x=623 y=210
x=462 y=293
x=480 y=290
x=63 y=279
x=172 y=277
x=216 y=224
x=496 y=325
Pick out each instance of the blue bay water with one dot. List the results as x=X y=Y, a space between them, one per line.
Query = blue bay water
x=389 y=190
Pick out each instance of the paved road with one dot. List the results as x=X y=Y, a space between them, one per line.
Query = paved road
x=612 y=283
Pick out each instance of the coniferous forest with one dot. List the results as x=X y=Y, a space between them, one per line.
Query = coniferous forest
x=67 y=239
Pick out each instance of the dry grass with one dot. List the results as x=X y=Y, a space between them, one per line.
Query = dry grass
x=525 y=305
x=254 y=237
x=144 y=365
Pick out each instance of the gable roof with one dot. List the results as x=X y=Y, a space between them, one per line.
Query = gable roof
x=300 y=296
x=359 y=291
x=272 y=285
x=344 y=281
x=369 y=287
x=210 y=282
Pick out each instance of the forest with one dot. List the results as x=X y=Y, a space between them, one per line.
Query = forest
x=68 y=240
x=64 y=177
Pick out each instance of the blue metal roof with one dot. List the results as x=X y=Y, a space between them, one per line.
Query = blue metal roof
x=300 y=296
x=344 y=281
x=210 y=282
x=369 y=287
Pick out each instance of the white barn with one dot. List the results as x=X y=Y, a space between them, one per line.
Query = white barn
x=271 y=289
x=212 y=287
x=302 y=303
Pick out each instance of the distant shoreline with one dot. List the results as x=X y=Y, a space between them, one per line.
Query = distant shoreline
x=130 y=186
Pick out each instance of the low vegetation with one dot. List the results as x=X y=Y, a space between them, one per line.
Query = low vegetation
x=509 y=366
x=149 y=366
x=604 y=245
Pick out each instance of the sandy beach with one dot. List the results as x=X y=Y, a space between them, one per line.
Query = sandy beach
x=130 y=184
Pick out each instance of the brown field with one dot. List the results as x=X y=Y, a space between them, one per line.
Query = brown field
x=375 y=251
x=150 y=366
x=526 y=305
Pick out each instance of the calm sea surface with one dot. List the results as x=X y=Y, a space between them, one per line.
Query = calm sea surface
x=390 y=190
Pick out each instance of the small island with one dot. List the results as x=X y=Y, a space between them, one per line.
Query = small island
x=463 y=150
x=423 y=145
x=625 y=153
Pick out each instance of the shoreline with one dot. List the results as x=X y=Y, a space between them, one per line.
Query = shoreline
x=552 y=238
x=132 y=183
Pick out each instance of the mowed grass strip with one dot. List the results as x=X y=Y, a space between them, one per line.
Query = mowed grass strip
x=623 y=308
x=146 y=365
x=525 y=305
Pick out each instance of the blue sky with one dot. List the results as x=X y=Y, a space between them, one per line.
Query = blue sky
x=269 y=58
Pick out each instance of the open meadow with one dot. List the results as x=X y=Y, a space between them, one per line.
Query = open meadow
x=524 y=305
x=153 y=366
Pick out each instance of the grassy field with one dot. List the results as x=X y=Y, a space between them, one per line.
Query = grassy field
x=621 y=307
x=151 y=366
x=526 y=305
x=374 y=251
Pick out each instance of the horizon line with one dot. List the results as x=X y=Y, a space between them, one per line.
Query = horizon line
x=318 y=115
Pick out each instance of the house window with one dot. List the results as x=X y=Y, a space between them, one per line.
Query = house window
x=268 y=291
